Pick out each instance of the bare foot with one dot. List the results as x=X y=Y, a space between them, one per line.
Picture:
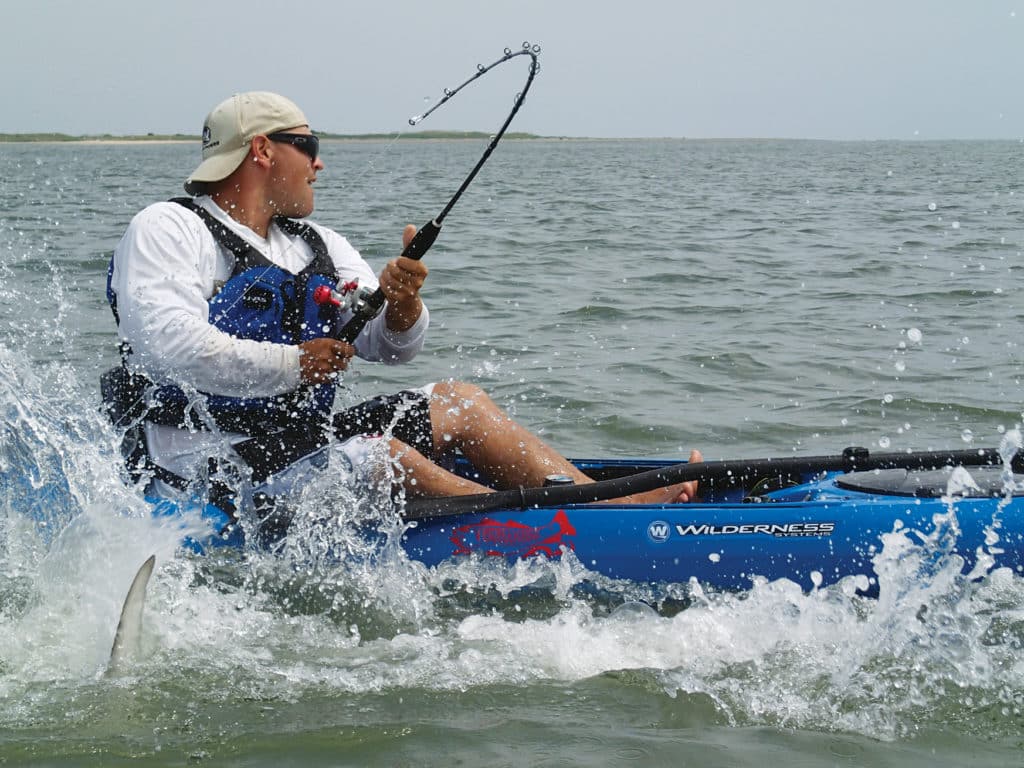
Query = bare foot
x=687 y=491
x=680 y=493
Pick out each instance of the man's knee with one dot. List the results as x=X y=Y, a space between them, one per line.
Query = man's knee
x=457 y=411
x=459 y=394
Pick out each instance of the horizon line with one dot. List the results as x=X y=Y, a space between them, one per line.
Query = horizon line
x=61 y=137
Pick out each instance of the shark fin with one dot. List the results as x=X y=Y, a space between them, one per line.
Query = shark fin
x=129 y=628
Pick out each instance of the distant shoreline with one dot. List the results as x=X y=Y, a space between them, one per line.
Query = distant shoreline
x=179 y=138
x=63 y=138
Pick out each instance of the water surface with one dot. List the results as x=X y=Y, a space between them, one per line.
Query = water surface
x=623 y=298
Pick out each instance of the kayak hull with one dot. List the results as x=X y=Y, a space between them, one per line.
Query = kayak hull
x=727 y=546
x=816 y=531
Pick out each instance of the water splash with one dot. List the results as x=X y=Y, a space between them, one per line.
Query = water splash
x=336 y=610
x=929 y=649
x=72 y=533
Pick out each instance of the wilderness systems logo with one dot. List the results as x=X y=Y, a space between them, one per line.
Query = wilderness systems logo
x=659 y=531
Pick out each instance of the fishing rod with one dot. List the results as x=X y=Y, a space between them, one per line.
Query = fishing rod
x=732 y=472
x=366 y=307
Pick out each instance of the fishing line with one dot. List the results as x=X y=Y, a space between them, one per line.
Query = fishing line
x=527 y=50
x=369 y=306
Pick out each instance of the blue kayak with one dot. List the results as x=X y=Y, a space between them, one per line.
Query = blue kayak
x=813 y=520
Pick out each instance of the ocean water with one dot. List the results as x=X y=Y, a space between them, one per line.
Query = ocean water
x=623 y=298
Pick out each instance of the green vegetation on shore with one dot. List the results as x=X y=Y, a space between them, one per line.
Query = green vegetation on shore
x=65 y=137
x=95 y=137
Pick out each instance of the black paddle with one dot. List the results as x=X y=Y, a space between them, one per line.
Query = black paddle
x=734 y=471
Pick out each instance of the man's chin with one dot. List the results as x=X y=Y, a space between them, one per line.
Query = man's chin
x=300 y=211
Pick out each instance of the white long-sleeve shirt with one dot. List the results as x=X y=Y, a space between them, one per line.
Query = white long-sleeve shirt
x=167 y=267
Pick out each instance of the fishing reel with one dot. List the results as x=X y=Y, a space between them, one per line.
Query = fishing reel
x=349 y=295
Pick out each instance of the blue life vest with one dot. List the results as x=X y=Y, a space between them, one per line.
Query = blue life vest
x=262 y=302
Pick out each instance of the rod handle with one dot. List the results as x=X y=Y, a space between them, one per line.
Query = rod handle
x=425 y=237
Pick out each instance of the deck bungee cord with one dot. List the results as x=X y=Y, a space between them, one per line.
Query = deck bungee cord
x=366 y=307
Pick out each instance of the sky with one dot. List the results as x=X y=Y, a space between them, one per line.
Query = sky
x=820 y=69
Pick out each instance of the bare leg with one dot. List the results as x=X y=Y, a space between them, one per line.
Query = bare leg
x=425 y=478
x=465 y=418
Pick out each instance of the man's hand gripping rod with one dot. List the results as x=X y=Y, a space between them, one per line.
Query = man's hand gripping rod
x=366 y=305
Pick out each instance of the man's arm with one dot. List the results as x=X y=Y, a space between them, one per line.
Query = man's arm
x=165 y=268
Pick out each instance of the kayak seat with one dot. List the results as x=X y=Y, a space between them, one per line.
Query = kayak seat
x=930 y=483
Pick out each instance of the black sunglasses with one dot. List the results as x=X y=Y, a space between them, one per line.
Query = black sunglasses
x=304 y=142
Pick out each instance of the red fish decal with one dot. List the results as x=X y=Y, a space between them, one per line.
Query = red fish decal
x=514 y=539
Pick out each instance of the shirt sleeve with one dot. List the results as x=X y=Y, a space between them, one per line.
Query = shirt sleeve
x=377 y=343
x=165 y=270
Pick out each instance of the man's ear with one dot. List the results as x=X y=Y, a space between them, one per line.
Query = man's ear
x=260 y=151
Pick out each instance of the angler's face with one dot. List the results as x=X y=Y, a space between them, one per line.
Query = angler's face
x=296 y=162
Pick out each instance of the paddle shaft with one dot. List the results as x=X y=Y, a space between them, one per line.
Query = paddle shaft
x=735 y=471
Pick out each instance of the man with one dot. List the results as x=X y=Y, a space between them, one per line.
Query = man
x=212 y=296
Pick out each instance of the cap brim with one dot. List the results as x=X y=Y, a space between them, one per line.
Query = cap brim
x=214 y=169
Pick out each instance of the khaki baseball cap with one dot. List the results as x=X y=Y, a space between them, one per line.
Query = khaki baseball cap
x=229 y=128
